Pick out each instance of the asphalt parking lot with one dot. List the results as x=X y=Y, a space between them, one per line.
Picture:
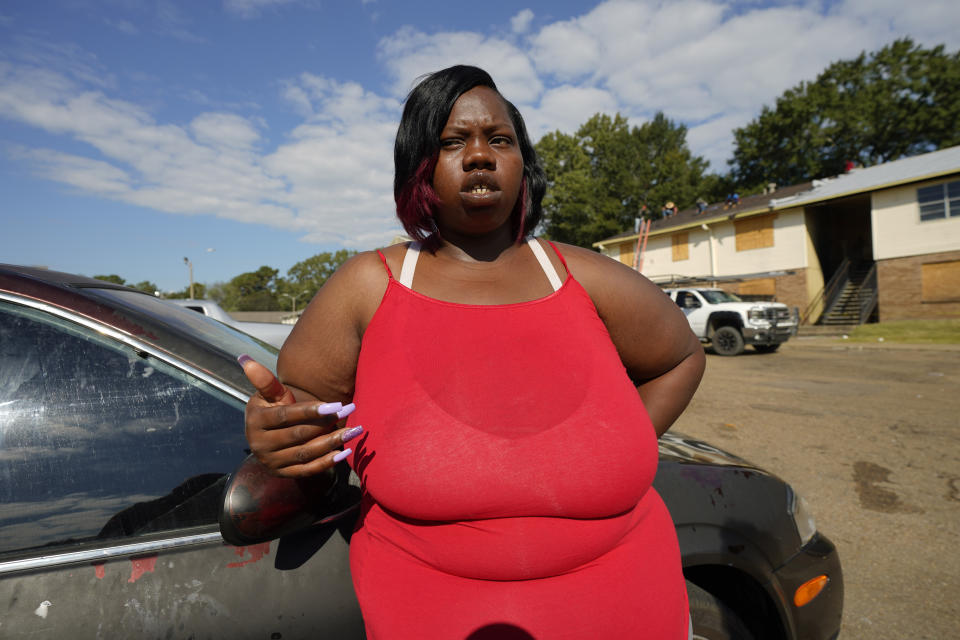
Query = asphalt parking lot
x=870 y=436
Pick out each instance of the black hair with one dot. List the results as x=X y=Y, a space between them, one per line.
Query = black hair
x=417 y=146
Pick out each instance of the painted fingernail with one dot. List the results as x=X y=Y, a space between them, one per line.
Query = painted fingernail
x=243 y=359
x=343 y=454
x=351 y=433
x=347 y=410
x=329 y=407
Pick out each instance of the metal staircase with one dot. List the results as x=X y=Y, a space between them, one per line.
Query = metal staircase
x=855 y=298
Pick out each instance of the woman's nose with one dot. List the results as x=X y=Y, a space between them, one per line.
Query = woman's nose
x=478 y=155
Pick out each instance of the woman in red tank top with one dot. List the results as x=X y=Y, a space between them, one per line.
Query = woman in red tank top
x=503 y=397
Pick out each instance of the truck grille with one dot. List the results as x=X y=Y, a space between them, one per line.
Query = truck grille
x=776 y=313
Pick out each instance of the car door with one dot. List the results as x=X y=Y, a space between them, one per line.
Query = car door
x=692 y=307
x=112 y=461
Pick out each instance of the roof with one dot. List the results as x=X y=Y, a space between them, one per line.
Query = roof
x=889 y=174
x=715 y=212
x=926 y=166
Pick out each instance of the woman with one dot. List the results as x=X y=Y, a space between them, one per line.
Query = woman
x=506 y=455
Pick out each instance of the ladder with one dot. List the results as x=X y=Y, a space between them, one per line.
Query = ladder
x=643 y=233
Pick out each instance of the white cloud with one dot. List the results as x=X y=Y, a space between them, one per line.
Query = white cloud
x=520 y=23
x=93 y=176
x=331 y=179
x=224 y=130
x=566 y=108
x=251 y=8
x=123 y=26
x=171 y=22
x=711 y=64
x=409 y=54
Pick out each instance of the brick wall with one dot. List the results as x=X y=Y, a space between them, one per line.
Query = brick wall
x=900 y=285
x=790 y=289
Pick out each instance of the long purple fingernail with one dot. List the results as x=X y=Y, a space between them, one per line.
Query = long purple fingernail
x=243 y=359
x=347 y=410
x=351 y=433
x=343 y=454
x=329 y=407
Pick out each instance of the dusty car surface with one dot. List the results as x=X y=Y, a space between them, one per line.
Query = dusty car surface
x=121 y=420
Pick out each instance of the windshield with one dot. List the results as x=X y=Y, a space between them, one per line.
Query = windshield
x=216 y=333
x=716 y=296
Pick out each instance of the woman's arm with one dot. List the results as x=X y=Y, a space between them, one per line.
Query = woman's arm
x=661 y=354
x=291 y=422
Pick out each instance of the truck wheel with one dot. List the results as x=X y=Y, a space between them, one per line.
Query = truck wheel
x=712 y=620
x=727 y=341
x=766 y=348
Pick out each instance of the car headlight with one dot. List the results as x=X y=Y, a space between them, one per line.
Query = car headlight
x=802 y=518
x=755 y=315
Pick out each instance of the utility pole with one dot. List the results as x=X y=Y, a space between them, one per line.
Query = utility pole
x=187 y=262
x=293 y=300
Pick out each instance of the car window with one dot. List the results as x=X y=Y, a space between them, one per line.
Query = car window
x=214 y=332
x=686 y=300
x=101 y=441
x=716 y=296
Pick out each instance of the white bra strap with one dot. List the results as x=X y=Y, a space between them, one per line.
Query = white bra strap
x=409 y=264
x=545 y=263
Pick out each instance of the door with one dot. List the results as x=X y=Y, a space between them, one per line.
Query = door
x=112 y=463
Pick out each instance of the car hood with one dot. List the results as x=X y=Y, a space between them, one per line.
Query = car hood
x=737 y=306
x=677 y=447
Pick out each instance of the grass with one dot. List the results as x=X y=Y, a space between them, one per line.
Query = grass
x=946 y=331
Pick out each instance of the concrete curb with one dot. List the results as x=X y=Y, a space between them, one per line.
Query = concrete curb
x=838 y=344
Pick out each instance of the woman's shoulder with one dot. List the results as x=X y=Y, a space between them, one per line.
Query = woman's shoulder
x=364 y=269
x=361 y=282
x=587 y=264
x=606 y=280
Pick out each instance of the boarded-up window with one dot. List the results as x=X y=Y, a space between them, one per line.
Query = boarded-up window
x=941 y=282
x=755 y=232
x=759 y=287
x=626 y=253
x=681 y=246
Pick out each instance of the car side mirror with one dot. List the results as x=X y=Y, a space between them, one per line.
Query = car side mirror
x=258 y=506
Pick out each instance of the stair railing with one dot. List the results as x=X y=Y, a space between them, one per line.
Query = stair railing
x=868 y=293
x=825 y=298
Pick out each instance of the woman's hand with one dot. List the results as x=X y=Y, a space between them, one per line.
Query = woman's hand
x=293 y=439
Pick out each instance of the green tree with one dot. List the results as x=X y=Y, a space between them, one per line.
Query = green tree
x=608 y=173
x=306 y=277
x=252 y=291
x=899 y=101
x=115 y=279
x=147 y=286
x=199 y=292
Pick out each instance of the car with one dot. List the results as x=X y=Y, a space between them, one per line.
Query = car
x=124 y=465
x=727 y=323
x=274 y=333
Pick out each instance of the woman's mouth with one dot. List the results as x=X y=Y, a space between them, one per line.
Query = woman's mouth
x=480 y=190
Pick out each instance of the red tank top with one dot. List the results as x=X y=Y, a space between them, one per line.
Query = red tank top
x=504 y=444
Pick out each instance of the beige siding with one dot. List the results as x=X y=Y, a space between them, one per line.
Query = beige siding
x=897 y=230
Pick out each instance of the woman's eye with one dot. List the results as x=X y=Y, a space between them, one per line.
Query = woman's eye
x=501 y=140
x=449 y=142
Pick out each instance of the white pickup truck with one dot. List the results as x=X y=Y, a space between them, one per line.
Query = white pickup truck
x=270 y=332
x=727 y=323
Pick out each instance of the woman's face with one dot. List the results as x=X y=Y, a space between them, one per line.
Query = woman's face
x=480 y=167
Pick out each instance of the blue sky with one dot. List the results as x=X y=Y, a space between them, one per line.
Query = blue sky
x=241 y=133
